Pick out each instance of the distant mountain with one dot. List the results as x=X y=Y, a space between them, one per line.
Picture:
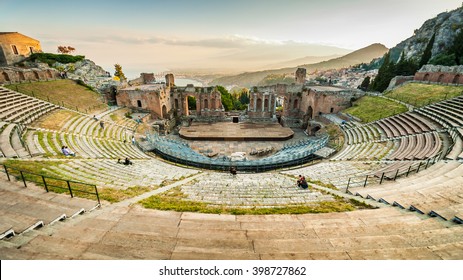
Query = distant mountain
x=445 y=25
x=301 y=61
x=249 y=79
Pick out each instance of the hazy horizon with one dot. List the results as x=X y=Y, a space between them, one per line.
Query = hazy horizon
x=154 y=36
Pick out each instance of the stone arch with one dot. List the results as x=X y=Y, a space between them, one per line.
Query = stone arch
x=164 y=111
x=139 y=103
x=206 y=104
x=296 y=103
x=176 y=104
x=49 y=74
x=310 y=112
x=441 y=77
x=456 y=79
x=213 y=106
x=426 y=77
x=6 y=77
x=259 y=105
x=36 y=75
x=21 y=76
x=266 y=103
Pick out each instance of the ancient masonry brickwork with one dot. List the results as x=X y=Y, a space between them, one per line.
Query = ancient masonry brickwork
x=15 y=47
x=12 y=75
x=164 y=100
x=440 y=74
x=300 y=103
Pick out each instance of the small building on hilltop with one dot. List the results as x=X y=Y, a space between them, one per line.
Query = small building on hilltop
x=15 y=47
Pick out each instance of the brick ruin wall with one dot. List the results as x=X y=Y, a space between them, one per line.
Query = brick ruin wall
x=440 y=74
x=12 y=75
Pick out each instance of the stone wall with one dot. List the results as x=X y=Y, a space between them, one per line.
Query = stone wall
x=440 y=74
x=398 y=80
x=12 y=75
x=301 y=75
x=15 y=47
x=300 y=103
x=155 y=100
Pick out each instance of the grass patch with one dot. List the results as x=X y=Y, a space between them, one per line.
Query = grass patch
x=420 y=95
x=66 y=93
x=373 y=108
x=336 y=140
x=175 y=200
x=54 y=120
x=34 y=170
x=117 y=195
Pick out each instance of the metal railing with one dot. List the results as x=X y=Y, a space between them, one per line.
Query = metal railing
x=58 y=185
x=391 y=175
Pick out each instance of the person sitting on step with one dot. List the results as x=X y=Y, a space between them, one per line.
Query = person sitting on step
x=68 y=152
x=127 y=161
x=300 y=180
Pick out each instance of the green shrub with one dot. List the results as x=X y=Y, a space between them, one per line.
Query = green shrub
x=51 y=58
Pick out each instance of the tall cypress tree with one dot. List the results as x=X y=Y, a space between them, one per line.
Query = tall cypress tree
x=428 y=51
x=385 y=74
x=457 y=47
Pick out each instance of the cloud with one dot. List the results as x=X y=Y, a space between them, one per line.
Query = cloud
x=226 y=42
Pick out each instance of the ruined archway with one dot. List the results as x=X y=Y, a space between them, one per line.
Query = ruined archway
x=36 y=75
x=189 y=105
x=295 y=105
x=441 y=77
x=176 y=104
x=213 y=106
x=49 y=74
x=5 y=77
x=206 y=104
x=21 y=76
x=456 y=79
x=164 y=112
x=259 y=105
x=266 y=104
x=307 y=117
x=426 y=77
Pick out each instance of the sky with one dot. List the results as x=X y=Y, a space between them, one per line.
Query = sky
x=220 y=35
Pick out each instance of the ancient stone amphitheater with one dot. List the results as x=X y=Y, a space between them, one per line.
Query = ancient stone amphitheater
x=407 y=166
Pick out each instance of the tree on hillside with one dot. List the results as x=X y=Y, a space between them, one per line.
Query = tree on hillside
x=119 y=72
x=227 y=100
x=405 y=67
x=365 y=83
x=427 y=52
x=385 y=74
x=65 y=49
x=457 y=47
x=244 y=96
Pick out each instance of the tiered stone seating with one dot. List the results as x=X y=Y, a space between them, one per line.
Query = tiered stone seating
x=419 y=146
x=88 y=147
x=108 y=173
x=406 y=136
x=86 y=125
x=371 y=234
x=25 y=209
x=20 y=108
x=448 y=114
x=263 y=189
x=437 y=192
x=337 y=172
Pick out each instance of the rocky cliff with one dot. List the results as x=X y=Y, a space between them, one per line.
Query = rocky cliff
x=445 y=26
x=90 y=73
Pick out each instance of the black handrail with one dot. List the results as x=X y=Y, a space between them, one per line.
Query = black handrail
x=46 y=184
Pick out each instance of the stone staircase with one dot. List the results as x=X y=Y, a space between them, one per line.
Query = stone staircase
x=26 y=209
